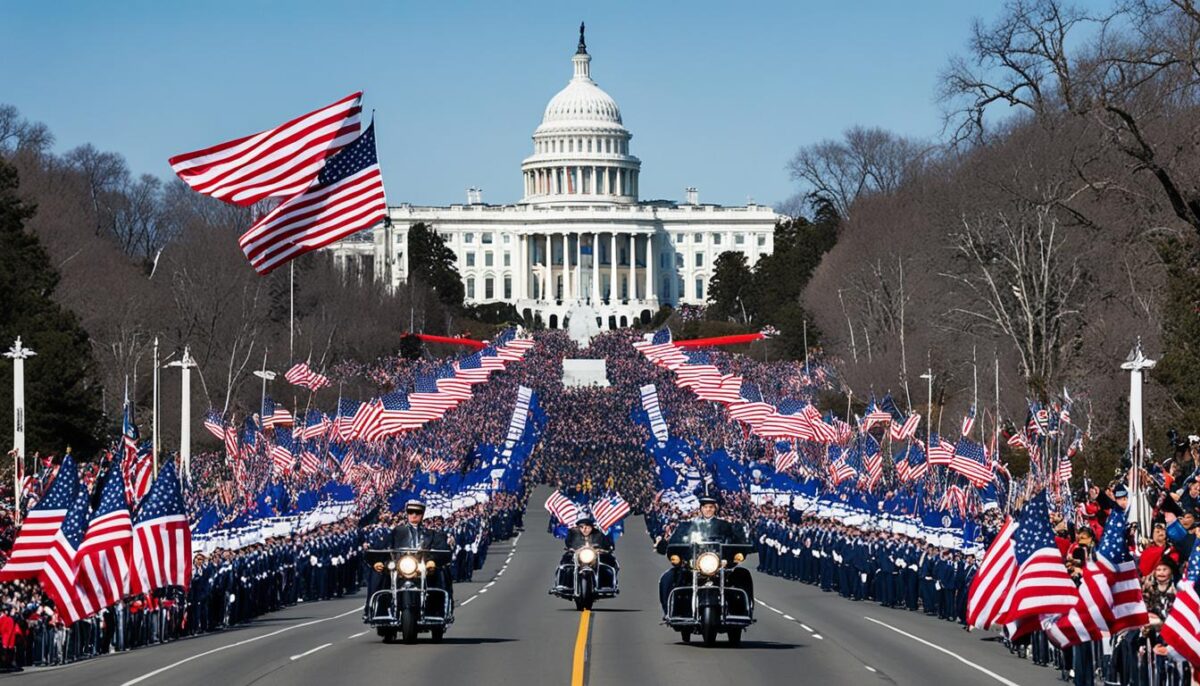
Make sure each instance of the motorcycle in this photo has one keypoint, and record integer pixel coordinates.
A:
(708, 605)
(408, 604)
(586, 571)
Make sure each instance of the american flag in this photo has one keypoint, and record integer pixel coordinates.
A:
(232, 449)
(563, 508)
(1042, 587)
(1181, 630)
(395, 416)
(282, 458)
(450, 385)
(872, 460)
(58, 576)
(788, 420)
(610, 510)
(346, 198)
(32, 547)
(274, 414)
(875, 415)
(343, 424)
(471, 370)
(138, 475)
(660, 350)
(901, 431)
(129, 438)
(824, 429)
(839, 471)
(276, 163)
(750, 408)
(1110, 595)
(968, 421)
(1017, 439)
(911, 465)
(987, 597)
(366, 419)
(309, 462)
(316, 425)
(302, 375)
(103, 558)
(939, 451)
(785, 456)
(727, 392)
(427, 398)
(162, 542)
(214, 425)
(970, 461)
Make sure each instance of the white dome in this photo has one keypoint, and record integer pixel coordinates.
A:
(582, 101)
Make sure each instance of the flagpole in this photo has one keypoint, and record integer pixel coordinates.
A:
(154, 414)
(291, 313)
(18, 354)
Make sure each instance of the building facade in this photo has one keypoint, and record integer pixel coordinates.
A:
(580, 234)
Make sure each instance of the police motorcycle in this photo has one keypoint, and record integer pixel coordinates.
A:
(706, 603)
(408, 604)
(587, 571)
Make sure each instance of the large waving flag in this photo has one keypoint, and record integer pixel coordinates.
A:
(32, 547)
(346, 198)
(1110, 596)
(58, 577)
(103, 558)
(562, 508)
(1042, 587)
(1181, 630)
(987, 597)
(276, 163)
(610, 510)
(162, 541)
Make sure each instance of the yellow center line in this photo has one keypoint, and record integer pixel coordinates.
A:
(581, 639)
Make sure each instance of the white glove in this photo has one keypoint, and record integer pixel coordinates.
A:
(863, 575)
(901, 564)
(312, 560)
(937, 585)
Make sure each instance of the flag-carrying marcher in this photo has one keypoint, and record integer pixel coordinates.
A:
(302, 375)
(58, 576)
(610, 510)
(162, 541)
(1042, 587)
(1181, 630)
(987, 596)
(563, 508)
(346, 198)
(42, 522)
(276, 163)
(1110, 595)
(102, 577)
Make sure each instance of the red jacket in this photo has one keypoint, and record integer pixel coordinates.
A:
(9, 631)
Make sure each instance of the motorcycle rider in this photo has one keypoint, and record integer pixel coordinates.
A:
(413, 534)
(707, 527)
(585, 534)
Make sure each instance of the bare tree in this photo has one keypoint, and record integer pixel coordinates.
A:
(19, 134)
(866, 160)
(1138, 77)
(1024, 282)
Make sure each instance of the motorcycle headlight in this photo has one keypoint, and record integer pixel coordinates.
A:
(408, 565)
(587, 556)
(708, 563)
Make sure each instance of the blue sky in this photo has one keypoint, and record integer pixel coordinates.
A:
(717, 95)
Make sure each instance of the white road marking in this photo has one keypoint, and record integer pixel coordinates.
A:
(490, 584)
(310, 652)
(819, 637)
(361, 633)
(468, 600)
(778, 612)
(206, 653)
(952, 654)
(807, 628)
(870, 668)
(789, 618)
(483, 590)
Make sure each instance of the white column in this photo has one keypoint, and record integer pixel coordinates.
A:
(650, 266)
(595, 269)
(17, 354)
(612, 270)
(632, 267)
(185, 424)
(518, 259)
(580, 293)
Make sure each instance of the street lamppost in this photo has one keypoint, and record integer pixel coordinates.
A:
(18, 354)
(1134, 364)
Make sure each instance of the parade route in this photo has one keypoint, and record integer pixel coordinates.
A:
(509, 631)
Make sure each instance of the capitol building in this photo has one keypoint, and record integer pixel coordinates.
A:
(580, 236)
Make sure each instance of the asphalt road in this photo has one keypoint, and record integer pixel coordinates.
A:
(510, 631)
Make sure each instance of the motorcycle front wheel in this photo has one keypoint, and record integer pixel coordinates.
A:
(710, 623)
(408, 626)
(586, 596)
